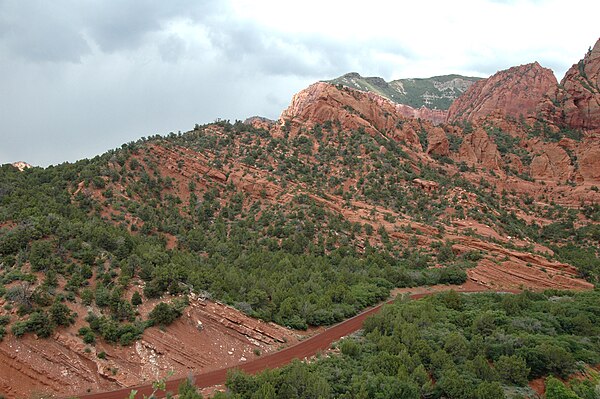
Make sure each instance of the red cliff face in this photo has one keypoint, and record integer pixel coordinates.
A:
(513, 92)
(352, 109)
(478, 149)
(322, 102)
(575, 103)
(438, 142)
(435, 116)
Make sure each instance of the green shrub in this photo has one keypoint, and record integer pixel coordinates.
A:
(512, 370)
(61, 315)
(136, 299)
(163, 314)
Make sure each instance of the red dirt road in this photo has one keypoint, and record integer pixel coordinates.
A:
(304, 349)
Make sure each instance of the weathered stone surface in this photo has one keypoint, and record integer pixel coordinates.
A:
(575, 103)
(552, 162)
(437, 142)
(478, 148)
(513, 92)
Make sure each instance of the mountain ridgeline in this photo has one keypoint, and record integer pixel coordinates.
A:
(309, 219)
(437, 92)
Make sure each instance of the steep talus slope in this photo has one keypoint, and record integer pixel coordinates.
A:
(514, 92)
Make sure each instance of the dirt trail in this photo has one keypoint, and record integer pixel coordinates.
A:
(304, 349)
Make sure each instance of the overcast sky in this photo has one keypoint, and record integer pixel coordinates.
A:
(79, 77)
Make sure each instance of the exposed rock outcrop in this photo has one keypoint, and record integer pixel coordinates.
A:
(575, 103)
(437, 142)
(552, 162)
(21, 165)
(435, 116)
(478, 148)
(513, 92)
(260, 122)
(322, 102)
(588, 157)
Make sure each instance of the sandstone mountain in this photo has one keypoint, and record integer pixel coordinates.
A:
(576, 101)
(515, 92)
(531, 91)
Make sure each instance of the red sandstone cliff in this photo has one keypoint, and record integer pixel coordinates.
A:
(435, 116)
(321, 102)
(575, 103)
(513, 92)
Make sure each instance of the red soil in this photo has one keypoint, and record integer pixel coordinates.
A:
(208, 335)
(304, 349)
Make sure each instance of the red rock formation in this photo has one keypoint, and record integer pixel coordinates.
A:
(513, 92)
(259, 122)
(552, 162)
(576, 102)
(437, 142)
(435, 116)
(322, 102)
(588, 156)
(478, 148)
(426, 185)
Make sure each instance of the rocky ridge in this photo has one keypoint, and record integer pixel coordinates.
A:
(575, 103)
(436, 93)
(515, 92)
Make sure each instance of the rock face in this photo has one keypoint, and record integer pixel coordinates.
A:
(551, 163)
(260, 122)
(576, 102)
(589, 162)
(21, 165)
(438, 142)
(513, 92)
(321, 102)
(478, 148)
(435, 116)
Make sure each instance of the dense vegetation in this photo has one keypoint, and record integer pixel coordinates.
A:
(119, 229)
(478, 346)
(68, 236)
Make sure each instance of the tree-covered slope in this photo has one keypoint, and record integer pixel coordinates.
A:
(458, 346)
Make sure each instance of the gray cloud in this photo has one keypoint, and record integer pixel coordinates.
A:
(123, 25)
(39, 32)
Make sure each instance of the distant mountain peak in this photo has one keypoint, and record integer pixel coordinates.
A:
(436, 92)
(513, 92)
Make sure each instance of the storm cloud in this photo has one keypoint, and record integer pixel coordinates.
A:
(79, 77)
